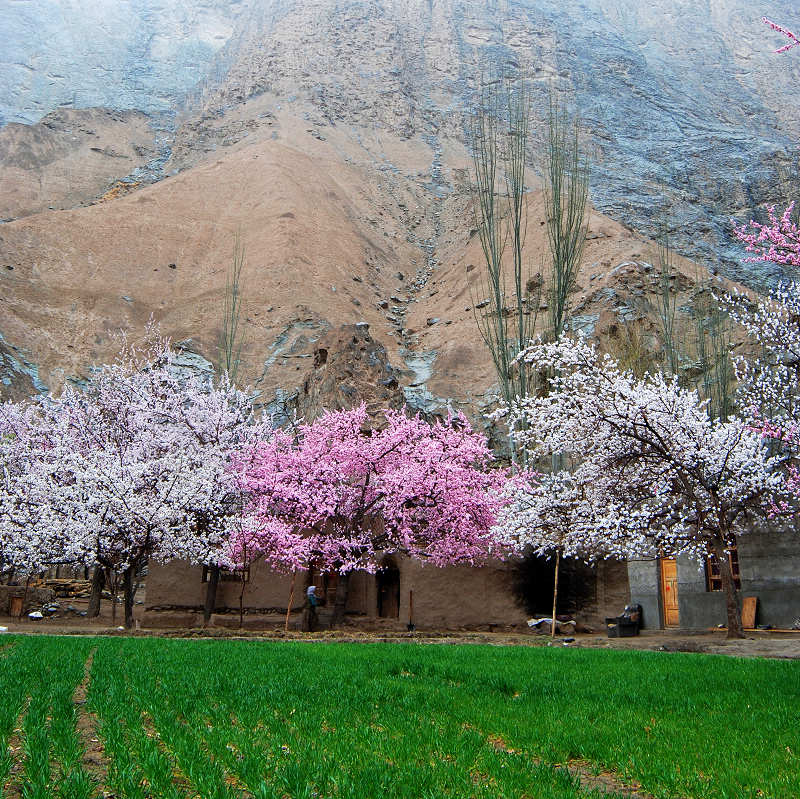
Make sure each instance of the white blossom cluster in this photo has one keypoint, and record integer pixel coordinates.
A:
(654, 474)
(768, 385)
(553, 513)
(135, 465)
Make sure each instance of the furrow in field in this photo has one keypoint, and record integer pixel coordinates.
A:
(591, 779)
(183, 785)
(220, 760)
(94, 759)
(12, 786)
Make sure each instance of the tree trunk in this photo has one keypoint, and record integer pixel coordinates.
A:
(555, 595)
(340, 603)
(128, 593)
(98, 583)
(211, 594)
(111, 579)
(25, 595)
(241, 600)
(306, 622)
(291, 600)
(734, 612)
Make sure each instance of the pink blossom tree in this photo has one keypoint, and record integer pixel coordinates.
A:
(346, 495)
(662, 478)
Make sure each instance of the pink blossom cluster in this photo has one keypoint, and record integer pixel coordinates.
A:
(778, 241)
(794, 41)
(340, 495)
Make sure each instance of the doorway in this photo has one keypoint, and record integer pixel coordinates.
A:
(388, 579)
(669, 591)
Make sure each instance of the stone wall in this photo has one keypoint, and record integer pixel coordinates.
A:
(769, 565)
(34, 599)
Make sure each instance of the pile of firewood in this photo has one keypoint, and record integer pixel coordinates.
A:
(70, 588)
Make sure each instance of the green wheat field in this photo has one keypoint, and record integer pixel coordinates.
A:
(124, 717)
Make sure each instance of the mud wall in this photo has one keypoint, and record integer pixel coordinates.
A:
(454, 597)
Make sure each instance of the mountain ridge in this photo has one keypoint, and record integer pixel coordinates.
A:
(332, 136)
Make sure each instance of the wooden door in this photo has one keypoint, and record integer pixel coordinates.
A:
(389, 593)
(669, 591)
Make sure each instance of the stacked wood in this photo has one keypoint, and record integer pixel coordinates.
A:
(69, 588)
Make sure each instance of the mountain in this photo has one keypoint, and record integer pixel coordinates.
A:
(329, 136)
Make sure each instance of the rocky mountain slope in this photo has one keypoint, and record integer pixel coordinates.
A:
(330, 137)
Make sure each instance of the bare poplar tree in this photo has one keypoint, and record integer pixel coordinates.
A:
(231, 340)
(499, 141)
(566, 190)
(700, 358)
(232, 335)
(506, 315)
(668, 302)
(713, 337)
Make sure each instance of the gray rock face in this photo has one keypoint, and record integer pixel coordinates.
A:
(686, 109)
(687, 112)
(144, 55)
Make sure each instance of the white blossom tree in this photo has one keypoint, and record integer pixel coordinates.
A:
(135, 465)
(769, 392)
(556, 515)
(36, 526)
(664, 478)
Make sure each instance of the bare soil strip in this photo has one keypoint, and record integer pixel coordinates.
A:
(94, 759)
(179, 779)
(16, 750)
(590, 778)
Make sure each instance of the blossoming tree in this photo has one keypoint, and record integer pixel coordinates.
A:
(341, 496)
(668, 479)
(36, 527)
(136, 465)
(556, 515)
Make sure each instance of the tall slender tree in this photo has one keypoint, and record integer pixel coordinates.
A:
(566, 191)
(499, 141)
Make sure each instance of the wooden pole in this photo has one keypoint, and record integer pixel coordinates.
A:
(291, 599)
(25, 596)
(410, 608)
(555, 596)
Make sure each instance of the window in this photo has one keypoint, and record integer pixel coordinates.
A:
(713, 576)
(227, 575)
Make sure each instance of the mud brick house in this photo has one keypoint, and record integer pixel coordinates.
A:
(495, 596)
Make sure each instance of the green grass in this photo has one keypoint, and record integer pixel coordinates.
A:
(226, 719)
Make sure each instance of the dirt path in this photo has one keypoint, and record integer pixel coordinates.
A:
(591, 778)
(94, 758)
(766, 644)
(16, 750)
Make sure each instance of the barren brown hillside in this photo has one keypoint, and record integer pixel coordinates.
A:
(327, 243)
